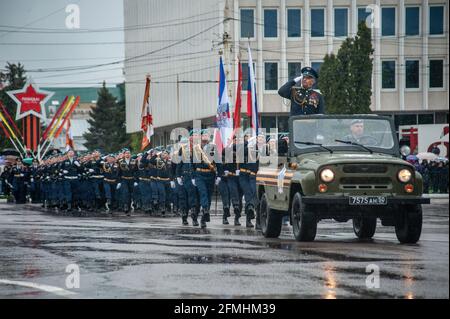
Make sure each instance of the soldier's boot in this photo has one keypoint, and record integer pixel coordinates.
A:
(248, 222)
(225, 220)
(107, 204)
(226, 212)
(184, 218)
(204, 218)
(194, 217)
(69, 207)
(237, 215)
(250, 214)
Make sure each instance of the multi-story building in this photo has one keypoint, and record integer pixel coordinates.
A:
(178, 43)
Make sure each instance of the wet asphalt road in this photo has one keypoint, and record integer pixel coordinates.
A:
(150, 257)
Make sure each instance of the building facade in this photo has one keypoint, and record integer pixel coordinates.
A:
(178, 43)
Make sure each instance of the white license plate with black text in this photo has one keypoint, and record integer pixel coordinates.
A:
(367, 200)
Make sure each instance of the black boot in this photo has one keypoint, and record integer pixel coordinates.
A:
(204, 218)
(226, 212)
(248, 222)
(184, 218)
(194, 218)
(225, 220)
(237, 215)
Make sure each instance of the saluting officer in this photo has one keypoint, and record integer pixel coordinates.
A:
(127, 178)
(19, 180)
(304, 99)
(70, 168)
(110, 171)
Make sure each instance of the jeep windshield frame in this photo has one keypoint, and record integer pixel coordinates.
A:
(295, 150)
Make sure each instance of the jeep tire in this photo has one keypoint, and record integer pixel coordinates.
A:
(408, 224)
(304, 223)
(364, 227)
(271, 221)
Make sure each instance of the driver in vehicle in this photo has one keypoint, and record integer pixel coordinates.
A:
(357, 134)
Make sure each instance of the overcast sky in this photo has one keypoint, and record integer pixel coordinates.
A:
(28, 22)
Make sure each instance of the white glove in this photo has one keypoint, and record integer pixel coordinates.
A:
(172, 184)
(118, 185)
(77, 163)
(237, 172)
(225, 173)
(65, 171)
(91, 170)
(218, 179)
(180, 181)
(135, 184)
(298, 79)
(193, 182)
(32, 180)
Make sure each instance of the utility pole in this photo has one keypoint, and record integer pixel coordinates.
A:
(226, 39)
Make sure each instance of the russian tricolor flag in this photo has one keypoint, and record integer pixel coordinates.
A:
(252, 103)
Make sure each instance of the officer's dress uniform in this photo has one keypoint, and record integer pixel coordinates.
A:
(110, 174)
(70, 169)
(303, 101)
(35, 183)
(146, 178)
(127, 177)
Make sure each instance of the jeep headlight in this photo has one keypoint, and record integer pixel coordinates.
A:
(327, 175)
(404, 175)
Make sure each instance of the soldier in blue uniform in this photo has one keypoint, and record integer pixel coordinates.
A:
(110, 172)
(70, 168)
(304, 99)
(95, 179)
(127, 180)
(147, 175)
(163, 178)
(35, 181)
(206, 173)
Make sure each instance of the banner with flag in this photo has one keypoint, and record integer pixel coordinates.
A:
(146, 117)
(252, 103)
(69, 136)
(223, 117)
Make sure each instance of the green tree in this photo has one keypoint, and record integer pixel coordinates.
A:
(13, 78)
(345, 79)
(107, 123)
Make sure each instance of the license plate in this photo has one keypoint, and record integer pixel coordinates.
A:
(367, 200)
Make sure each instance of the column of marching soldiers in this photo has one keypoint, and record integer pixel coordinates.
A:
(152, 182)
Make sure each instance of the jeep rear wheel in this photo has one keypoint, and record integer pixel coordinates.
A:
(364, 227)
(304, 223)
(270, 220)
(408, 224)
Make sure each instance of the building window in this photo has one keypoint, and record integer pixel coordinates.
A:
(283, 124)
(405, 119)
(363, 13)
(436, 73)
(268, 122)
(436, 20)
(316, 66)
(412, 74)
(387, 21)
(294, 70)
(294, 22)
(340, 22)
(245, 75)
(412, 21)
(270, 76)
(426, 118)
(317, 22)
(388, 74)
(441, 118)
(270, 23)
(247, 23)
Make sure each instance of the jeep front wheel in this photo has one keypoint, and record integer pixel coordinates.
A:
(364, 227)
(270, 220)
(304, 223)
(408, 224)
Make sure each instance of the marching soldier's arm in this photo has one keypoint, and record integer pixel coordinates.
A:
(285, 90)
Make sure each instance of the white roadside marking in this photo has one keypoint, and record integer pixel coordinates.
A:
(51, 289)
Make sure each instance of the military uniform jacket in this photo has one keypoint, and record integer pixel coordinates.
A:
(110, 172)
(19, 174)
(251, 161)
(202, 165)
(303, 101)
(70, 169)
(127, 171)
(185, 166)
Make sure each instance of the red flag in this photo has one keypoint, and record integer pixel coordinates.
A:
(146, 116)
(69, 138)
(237, 108)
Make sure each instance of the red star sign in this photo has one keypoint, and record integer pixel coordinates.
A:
(30, 101)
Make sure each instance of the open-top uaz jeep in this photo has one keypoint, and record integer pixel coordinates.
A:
(341, 167)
